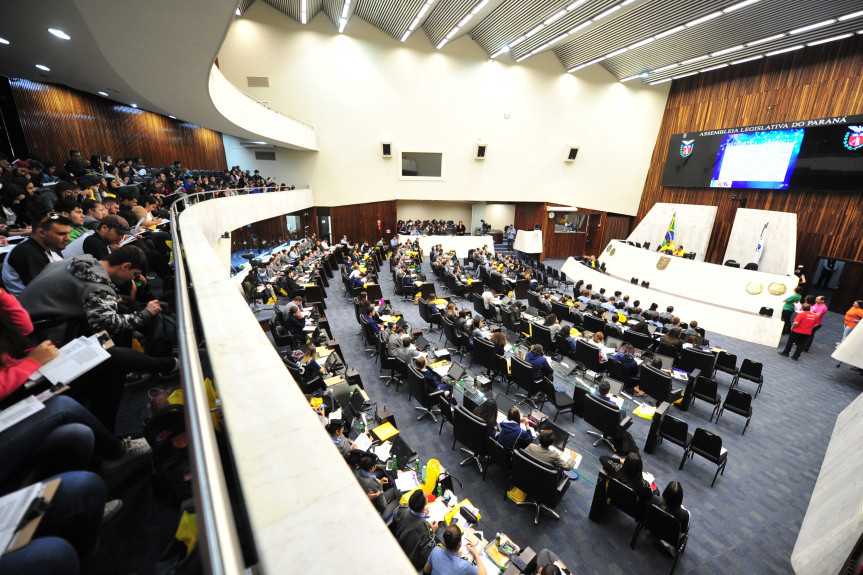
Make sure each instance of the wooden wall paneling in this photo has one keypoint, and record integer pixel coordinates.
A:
(817, 82)
(359, 221)
(616, 228)
(527, 214)
(273, 231)
(56, 119)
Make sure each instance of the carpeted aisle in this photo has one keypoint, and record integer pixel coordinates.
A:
(747, 523)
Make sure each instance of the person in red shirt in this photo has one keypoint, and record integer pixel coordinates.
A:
(819, 308)
(801, 329)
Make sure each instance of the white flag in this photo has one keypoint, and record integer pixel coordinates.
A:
(760, 246)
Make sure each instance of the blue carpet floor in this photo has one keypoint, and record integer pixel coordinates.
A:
(747, 523)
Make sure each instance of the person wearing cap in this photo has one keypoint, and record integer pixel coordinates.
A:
(108, 236)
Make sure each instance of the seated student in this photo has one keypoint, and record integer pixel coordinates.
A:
(553, 325)
(478, 324)
(373, 486)
(584, 298)
(544, 453)
(68, 532)
(461, 327)
(602, 390)
(545, 303)
(294, 321)
(358, 281)
(309, 366)
(622, 314)
(432, 380)
(667, 315)
(412, 530)
(691, 331)
(289, 281)
(432, 303)
(27, 259)
(447, 561)
(511, 435)
(70, 209)
(396, 340)
(336, 428)
(671, 501)
(499, 341)
(369, 317)
(545, 563)
(626, 356)
(674, 323)
(672, 338)
(536, 358)
(628, 471)
(487, 411)
(571, 340)
(610, 305)
(491, 308)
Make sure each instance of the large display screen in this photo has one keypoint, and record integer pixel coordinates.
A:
(825, 154)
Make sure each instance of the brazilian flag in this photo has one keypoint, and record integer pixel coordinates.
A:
(669, 235)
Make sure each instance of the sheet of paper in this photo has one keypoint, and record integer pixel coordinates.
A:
(363, 442)
(19, 412)
(407, 481)
(73, 359)
(382, 451)
(12, 510)
(437, 510)
(337, 414)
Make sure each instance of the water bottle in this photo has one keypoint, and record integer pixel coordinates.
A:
(497, 539)
(417, 466)
(424, 474)
(439, 490)
(395, 462)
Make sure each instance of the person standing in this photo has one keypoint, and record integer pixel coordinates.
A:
(788, 308)
(819, 308)
(801, 329)
(852, 318)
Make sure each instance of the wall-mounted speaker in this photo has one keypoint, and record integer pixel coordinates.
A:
(479, 151)
(387, 149)
(571, 153)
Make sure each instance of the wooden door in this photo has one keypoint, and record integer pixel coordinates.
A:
(849, 287)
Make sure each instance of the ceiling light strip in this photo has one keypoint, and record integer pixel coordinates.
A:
(343, 19)
(304, 12)
(461, 24)
(832, 39)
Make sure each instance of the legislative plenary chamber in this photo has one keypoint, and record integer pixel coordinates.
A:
(431, 286)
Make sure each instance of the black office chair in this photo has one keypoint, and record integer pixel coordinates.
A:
(457, 290)
(500, 456)
(533, 299)
(669, 350)
(739, 402)
(676, 431)
(388, 362)
(750, 371)
(542, 336)
(709, 446)
(566, 283)
(625, 499)
(692, 359)
(371, 339)
(472, 432)
(541, 482)
(431, 319)
(732, 264)
(705, 389)
(593, 324)
(727, 363)
(558, 399)
(751, 266)
(483, 354)
(509, 323)
(655, 383)
(452, 337)
(428, 401)
(522, 377)
(446, 410)
(604, 416)
(664, 527)
(638, 340)
(587, 354)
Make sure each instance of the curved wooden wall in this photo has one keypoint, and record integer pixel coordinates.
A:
(56, 119)
(817, 82)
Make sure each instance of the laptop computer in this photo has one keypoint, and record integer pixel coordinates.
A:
(568, 365)
(421, 343)
(561, 436)
(531, 311)
(512, 336)
(613, 342)
(401, 322)
(615, 387)
(456, 372)
(505, 300)
(357, 401)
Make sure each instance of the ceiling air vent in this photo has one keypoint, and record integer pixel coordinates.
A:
(265, 156)
(258, 81)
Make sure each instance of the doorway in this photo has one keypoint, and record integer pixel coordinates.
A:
(838, 280)
(324, 228)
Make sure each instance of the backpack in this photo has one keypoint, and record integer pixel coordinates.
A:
(171, 469)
